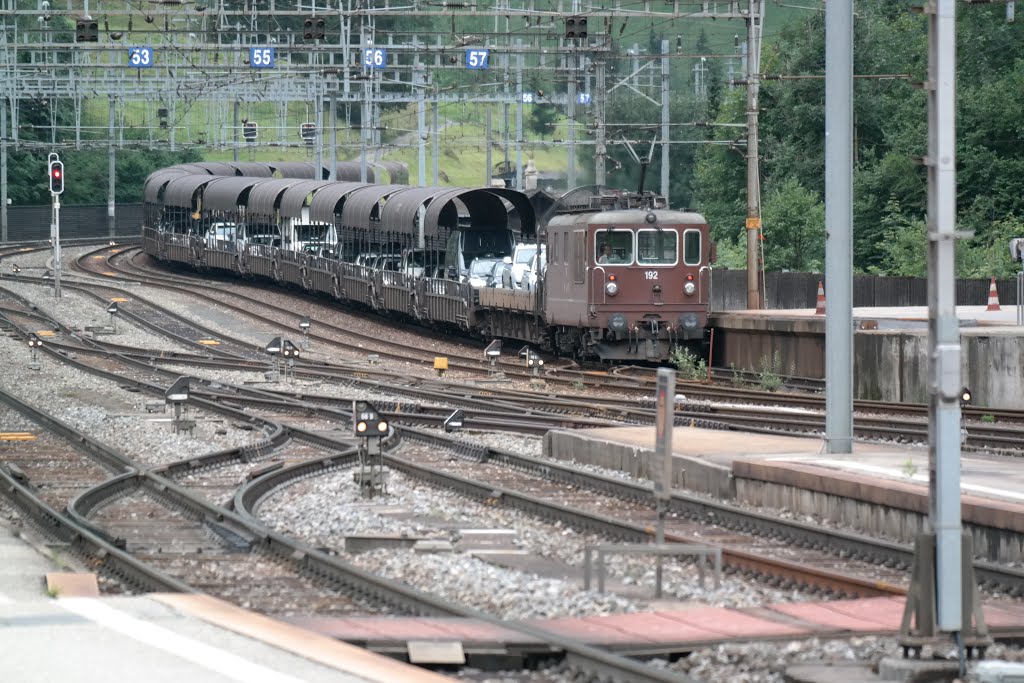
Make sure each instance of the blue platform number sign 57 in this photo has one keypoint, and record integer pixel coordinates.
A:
(477, 59)
(261, 57)
(583, 98)
(375, 58)
(140, 57)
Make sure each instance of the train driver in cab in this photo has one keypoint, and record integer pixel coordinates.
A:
(606, 254)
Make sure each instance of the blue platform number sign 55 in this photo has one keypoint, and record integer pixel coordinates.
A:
(476, 59)
(375, 58)
(140, 57)
(261, 57)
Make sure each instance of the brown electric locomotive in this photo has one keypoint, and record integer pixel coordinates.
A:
(630, 282)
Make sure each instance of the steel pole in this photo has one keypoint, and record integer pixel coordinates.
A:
(333, 116)
(665, 118)
(111, 174)
(943, 324)
(753, 173)
(56, 246)
(839, 226)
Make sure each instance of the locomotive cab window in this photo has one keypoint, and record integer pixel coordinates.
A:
(614, 246)
(691, 248)
(657, 247)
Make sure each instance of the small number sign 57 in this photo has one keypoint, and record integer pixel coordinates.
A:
(140, 57)
(477, 59)
(261, 57)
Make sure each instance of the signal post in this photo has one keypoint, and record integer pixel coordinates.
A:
(55, 173)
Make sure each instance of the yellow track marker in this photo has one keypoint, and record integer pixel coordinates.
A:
(17, 436)
(209, 342)
(119, 299)
(44, 333)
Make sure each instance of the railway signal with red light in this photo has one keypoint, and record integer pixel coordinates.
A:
(56, 177)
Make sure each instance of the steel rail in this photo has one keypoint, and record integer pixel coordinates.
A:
(320, 566)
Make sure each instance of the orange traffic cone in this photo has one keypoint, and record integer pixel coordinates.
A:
(993, 297)
(820, 309)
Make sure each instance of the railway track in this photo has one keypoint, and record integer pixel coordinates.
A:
(534, 486)
(184, 534)
(730, 407)
(109, 261)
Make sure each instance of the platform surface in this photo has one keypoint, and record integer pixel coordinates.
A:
(984, 476)
(669, 630)
(162, 638)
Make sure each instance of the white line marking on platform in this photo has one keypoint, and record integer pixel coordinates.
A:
(225, 663)
(4, 600)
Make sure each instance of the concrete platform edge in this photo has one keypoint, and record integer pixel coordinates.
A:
(298, 641)
(687, 472)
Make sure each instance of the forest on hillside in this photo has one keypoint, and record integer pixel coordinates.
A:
(890, 140)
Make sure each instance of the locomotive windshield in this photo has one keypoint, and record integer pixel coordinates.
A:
(614, 247)
(656, 247)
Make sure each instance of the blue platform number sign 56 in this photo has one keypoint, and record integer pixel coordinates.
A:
(140, 57)
(476, 59)
(375, 58)
(261, 57)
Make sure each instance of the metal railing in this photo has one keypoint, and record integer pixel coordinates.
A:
(701, 553)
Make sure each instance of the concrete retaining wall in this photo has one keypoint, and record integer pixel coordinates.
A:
(891, 510)
(888, 365)
(687, 473)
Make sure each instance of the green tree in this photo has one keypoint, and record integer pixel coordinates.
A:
(904, 247)
(542, 119)
(794, 228)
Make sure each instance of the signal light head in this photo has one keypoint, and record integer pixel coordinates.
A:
(56, 176)
(368, 421)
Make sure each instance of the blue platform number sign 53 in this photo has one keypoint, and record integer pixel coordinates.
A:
(375, 58)
(261, 57)
(140, 57)
(476, 59)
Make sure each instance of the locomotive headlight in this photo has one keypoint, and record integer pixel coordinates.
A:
(689, 288)
(617, 322)
(611, 289)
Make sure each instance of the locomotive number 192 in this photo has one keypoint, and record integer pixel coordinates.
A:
(650, 275)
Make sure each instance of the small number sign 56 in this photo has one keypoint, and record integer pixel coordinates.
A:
(375, 58)
(261, 57)
(140, 57)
